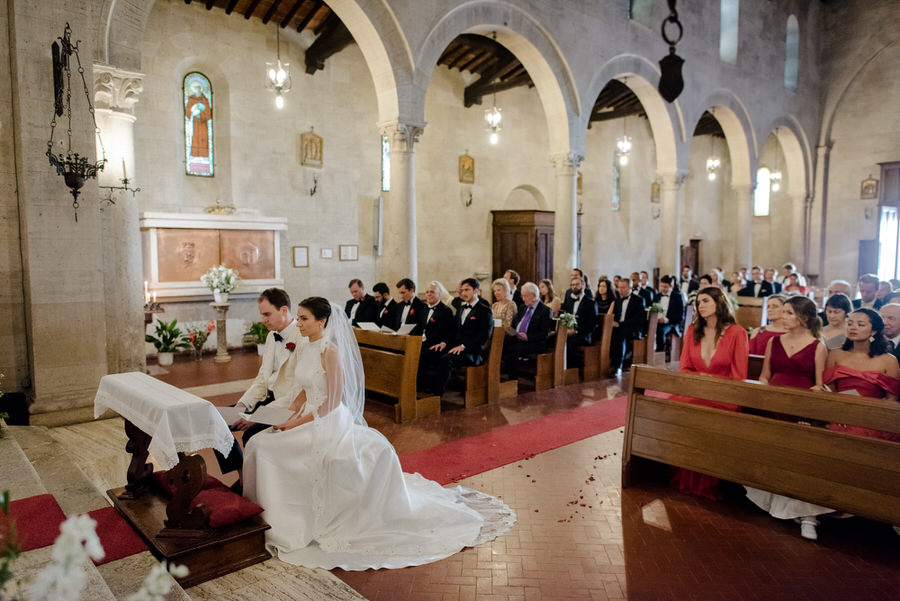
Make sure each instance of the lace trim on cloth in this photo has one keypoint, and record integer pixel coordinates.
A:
(498, 519)
(317, 393)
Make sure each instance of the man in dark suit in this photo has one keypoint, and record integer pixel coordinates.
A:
(474, 324)
(890, 313)
(534, 327)
(411, 309)
(586, 289)
(386, 314)
(669, 324)
(757, 286)
(439, 328)
(362, 307)
(689, 282)
(868, 292)
(581, 305)
(646, 291)
(628, 325)
(770, 275)
(513, 278)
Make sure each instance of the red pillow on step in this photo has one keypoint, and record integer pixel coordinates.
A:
(163, 482)
(225, 507)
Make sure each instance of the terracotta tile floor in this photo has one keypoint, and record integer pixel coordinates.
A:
(580, 538)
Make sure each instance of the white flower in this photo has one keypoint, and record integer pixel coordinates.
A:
(158, 583)
(64, 577)
(220, 278)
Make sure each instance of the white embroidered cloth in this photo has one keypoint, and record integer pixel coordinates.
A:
(178, 421)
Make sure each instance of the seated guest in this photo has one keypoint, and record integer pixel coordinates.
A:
(534, 327)
(669, 323)
(836, 287)
(411, 308)
(771, 275)
(715, 277)
(757, 286)
(790, 268)
(794, 286)
(604, 297)
(628, 325)
(837, 308)
(362, 307)
(689, 282)
(864, 364)
(734, 284)
(474, 324)
(759, 337)
(890, 314)
(439, 328)
(513, 278)
(548, 296)
(796, 359)
(645, 289)
(386, 314)
(587, 285)
(503, 308)
(457, 301)
(715, 345)
(868, 291)
(884, 289)
(579, 304)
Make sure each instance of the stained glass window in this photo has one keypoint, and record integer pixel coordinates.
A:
(385, 164)
(762, 193)
(791, 53)
(198, 125)
(728, 31)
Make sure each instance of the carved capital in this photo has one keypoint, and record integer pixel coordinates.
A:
(116, 89)
(566, 163)
(403, 136)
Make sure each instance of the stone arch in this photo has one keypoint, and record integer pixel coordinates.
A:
(528, 193)
(120, 30)
(797, 153)
(528, 40)
(743, 148)
(666, 119)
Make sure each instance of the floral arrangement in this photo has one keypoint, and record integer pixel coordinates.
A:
(656, 308)
(169, 338)
(220, 278)
(198, 335)
(257, 333)
(569, 320)
(64, 577)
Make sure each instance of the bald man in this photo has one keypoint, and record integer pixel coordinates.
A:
(891, 316)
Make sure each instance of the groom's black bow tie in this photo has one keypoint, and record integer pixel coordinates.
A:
(466, 306)
(405, 304)
(278, 337)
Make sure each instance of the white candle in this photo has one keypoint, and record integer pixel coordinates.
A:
(154, 297)
(124, 173)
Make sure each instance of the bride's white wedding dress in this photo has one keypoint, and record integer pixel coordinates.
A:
(335, 496)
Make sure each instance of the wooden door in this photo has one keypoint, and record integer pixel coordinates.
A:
(543, 243)
(690, 256)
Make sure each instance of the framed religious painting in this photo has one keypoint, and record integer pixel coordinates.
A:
(868, 188)
(466, 169)
(301, 256)
(348, 252)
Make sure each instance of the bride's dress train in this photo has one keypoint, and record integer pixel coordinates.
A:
(335, 495)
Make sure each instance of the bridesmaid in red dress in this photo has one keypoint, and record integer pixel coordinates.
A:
(714, 345)
(760, 337)
(864, 365)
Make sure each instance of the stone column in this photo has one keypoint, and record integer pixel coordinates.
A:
(668, 253)
(566, 253)
(798, 229)
(399, 257)
(115, 94)
(743, 236)
(817, 214)
(221, 310)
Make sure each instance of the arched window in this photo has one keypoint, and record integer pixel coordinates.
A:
(791, 53)
(728, 31)
(762, 193)
(198, 125)
(385, 164)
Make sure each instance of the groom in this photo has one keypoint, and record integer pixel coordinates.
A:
(275, 380)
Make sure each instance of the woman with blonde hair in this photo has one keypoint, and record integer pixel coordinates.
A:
(503, 308)
(759, 337)
(548, 296)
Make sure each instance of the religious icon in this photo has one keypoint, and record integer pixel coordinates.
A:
(868, 188)
(198, 125)
(654, 192)
(311, 149)
(579, 185)
(466, 169)
(188, 252)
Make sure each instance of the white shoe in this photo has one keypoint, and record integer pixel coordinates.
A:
(808, 528)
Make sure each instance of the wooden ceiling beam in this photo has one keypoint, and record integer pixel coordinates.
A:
(475, 58)
(451, 55)
(309, 16)
(287, 18)
(333, 37)
(230, 7)
(475, 95)
(271, 11)
(210, 4)
(249, 12)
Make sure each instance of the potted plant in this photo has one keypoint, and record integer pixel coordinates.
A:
(198, 335)
(221, 280)
(257, 335)
(168, 339)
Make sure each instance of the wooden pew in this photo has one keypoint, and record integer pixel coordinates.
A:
(644, 350)
(754, 366)
(483, 381)
(851, 473)
(551, 366)
(751, 311)
(390, 363)
(595, 357)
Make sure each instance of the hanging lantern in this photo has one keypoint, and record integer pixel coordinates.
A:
(278, 74)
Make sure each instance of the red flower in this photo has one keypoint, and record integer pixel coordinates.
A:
(472, 318)
(290, 346)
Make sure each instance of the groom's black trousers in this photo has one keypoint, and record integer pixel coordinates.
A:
(235, 459)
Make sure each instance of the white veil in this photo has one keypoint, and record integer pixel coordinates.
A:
(353, 381)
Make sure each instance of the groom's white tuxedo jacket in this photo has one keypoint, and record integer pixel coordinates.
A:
(280, 362)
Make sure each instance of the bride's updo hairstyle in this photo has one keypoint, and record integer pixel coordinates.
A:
(318, 306)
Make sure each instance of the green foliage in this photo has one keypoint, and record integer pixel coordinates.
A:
(570, 320)
(656, 308)
(257, 333)
(169, 338)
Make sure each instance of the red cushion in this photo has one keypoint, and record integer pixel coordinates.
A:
(226, 507)
(163, 482)
(118, 538)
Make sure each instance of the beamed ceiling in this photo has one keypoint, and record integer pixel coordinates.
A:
(497, 67)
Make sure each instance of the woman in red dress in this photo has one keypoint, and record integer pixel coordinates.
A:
(760, 337)
(864, 365)
(714, 345)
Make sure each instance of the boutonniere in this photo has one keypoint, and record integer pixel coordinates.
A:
(290, 346)
(431, 320)
(472, 318)
(412, 311)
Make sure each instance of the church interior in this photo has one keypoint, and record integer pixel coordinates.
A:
(312, 143)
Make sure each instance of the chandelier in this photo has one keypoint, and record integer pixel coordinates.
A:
(74, 167)
(775, 175)
(712, 163)
(278, 74)
(623, 146)
(493, 117)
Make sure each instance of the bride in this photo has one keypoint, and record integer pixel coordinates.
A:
(332, 488)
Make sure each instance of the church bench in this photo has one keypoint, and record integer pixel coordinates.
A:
(857, 474)
(751, 311)
(482, 382)
(644, 350)
(595, 364)
(754, 366)
(551, 366)
(390, 363)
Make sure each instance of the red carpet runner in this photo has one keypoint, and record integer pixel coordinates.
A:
(466, 457)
